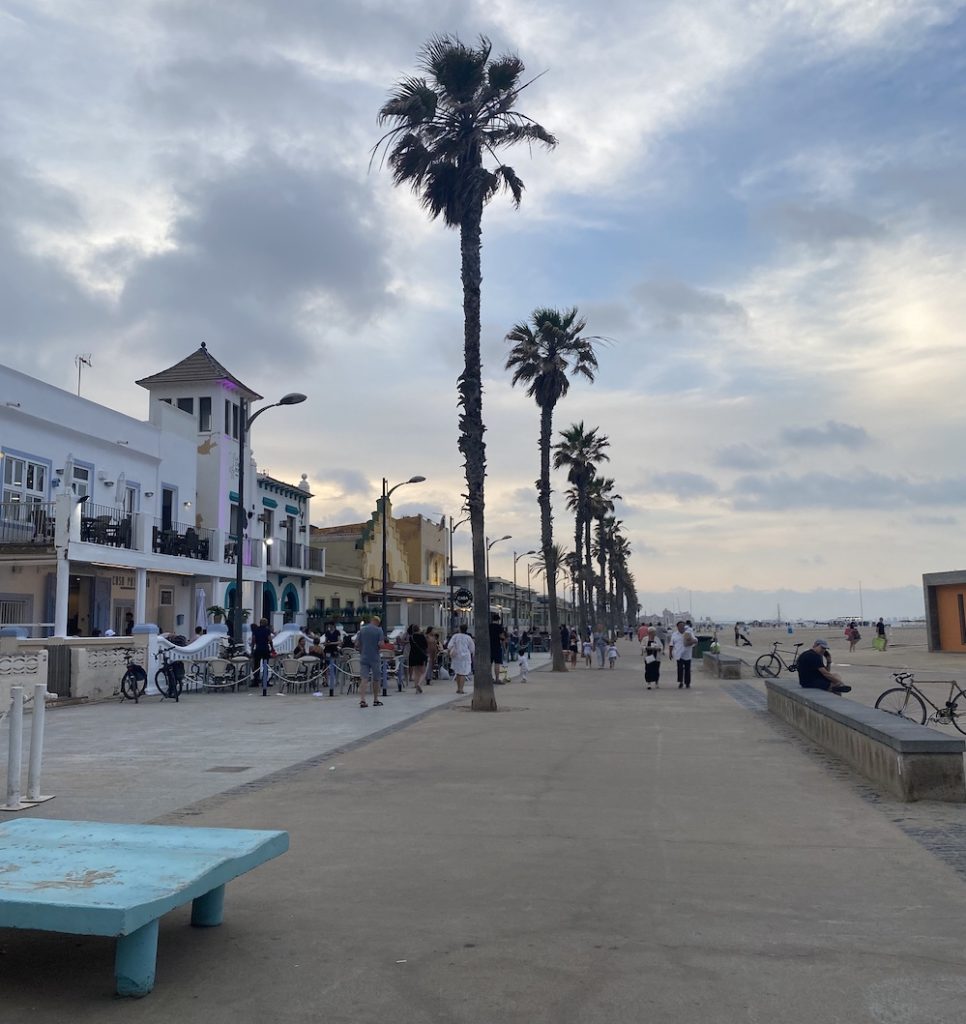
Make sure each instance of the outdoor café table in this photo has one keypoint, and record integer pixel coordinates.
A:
(96, 878)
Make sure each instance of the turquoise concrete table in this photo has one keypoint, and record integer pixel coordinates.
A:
(92, 878)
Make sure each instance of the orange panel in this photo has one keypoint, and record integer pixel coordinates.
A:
(948, 600)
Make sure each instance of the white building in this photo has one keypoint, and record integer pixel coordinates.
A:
(104, 517)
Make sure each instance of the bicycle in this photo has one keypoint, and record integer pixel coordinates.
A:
(907, 701)
(135, 680)
(770, 665)
(169, 679)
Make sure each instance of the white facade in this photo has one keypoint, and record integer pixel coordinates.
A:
(103, 515)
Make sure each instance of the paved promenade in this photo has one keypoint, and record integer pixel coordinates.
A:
(592, 853)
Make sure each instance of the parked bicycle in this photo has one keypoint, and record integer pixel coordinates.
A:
(169, 679)
(135, 680)
(908, 701)
(770, 665)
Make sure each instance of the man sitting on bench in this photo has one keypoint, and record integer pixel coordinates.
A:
(813, 672)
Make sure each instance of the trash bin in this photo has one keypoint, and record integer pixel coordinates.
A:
(702, 647)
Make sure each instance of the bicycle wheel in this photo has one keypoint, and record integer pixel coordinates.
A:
(161, 682)
(904, 703)
(133, 683)
(958, 718)
(768, 666)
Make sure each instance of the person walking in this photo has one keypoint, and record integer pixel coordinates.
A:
(368, 641)
(461, 649)
(497, 637)
(600, 643)
(432, 654)
(653, 649)
(683, 642)
(853, 635)
(612, 655)
(880, 635)
(262, 652)
(418, 657)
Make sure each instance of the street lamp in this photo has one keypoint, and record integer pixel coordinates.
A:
(452, 608)
(386, 494)
(244, 426)
(516, 558)
(530, 595)
(489, 544)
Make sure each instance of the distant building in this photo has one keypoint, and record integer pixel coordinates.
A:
(945, 598)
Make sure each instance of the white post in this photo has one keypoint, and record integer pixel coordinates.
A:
(14, 750)
(140, 595)
(37, 746)
(62, 593)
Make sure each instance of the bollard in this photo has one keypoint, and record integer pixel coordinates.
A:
(37, 746)
(14, 751)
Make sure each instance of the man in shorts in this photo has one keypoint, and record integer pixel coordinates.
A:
(368, 641)
(813, 671)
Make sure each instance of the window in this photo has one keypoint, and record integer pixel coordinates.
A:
(81, 481)
(130, 499)
(335, 604)
(234, 421)
(167, 400)
(187, 405)
(204, 414)
(166, 597)
(24, 480)
(228, 417)
(13, 612)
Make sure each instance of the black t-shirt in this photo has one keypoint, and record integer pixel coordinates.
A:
(261, 639)
(809, 676)
(332, 641)
(496, 635)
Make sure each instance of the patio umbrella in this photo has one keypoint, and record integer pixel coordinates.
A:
(201, 613)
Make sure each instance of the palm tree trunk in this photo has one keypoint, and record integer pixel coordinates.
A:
(602, 562)
(546, 537)
(589, 568)
(579, 566)
(473, 449)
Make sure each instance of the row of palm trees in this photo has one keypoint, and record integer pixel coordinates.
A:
(447, 127)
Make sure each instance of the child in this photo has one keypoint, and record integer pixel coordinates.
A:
(588, 652)
(524, 662)
(612, 655)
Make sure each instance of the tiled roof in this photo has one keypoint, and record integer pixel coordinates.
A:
(201, 365)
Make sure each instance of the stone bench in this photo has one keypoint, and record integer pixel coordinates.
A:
(723, 666)
(92, 878)
(901, 758)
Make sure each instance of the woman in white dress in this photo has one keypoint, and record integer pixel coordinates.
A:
(461, 650)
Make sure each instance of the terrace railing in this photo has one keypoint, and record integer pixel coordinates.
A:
(27, 524)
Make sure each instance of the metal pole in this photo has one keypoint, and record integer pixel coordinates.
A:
(516, 620)
(37, 745)
(452, 609)
(385, 561)
(239, 616)
(15, 750)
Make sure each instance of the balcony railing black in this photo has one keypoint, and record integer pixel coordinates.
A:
(315, 559)
(27, 524)
(106, 524)
(183, 541)
(251, 551)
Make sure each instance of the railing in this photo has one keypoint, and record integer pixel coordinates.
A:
(315, 559)
(289, 555)
(27, 524)
(251, 551)
(183, 541)
(106, 524)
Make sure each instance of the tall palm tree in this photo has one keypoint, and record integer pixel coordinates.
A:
(580, 451)
(546, 351)
(601, 499)
(443, 126)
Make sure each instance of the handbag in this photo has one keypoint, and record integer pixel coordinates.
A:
(650, 659)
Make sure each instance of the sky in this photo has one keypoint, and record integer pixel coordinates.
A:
(761, 206)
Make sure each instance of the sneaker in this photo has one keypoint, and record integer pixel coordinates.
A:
(648, 685)
(840, 689)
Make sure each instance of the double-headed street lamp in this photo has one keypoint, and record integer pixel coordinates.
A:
(244, 426)
(452, 609)
(516, 558)
(489, 544)
(385, 561)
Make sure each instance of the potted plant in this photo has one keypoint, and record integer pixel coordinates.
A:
(217, 612)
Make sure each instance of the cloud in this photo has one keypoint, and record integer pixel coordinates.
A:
(861, 490)
(832, 433)
(741, 456)
(819, 224)
(263, 255)
(682, 485)
(351, 481)
(674, 306)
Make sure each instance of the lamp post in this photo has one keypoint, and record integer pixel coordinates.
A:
(386, 494)
(516, 558)
(452, 609)
(244, 426)
(490, 544)
(529, 597)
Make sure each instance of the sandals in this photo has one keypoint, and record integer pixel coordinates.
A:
(363, 704)
(377, 703)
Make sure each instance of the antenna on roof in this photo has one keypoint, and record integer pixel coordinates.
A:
(81, 361)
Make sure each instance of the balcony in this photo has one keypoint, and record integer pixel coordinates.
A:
(104, 524)
(27, 525)
(251, 551)
(182, 541)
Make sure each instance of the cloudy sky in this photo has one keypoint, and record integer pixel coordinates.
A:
(762, 205)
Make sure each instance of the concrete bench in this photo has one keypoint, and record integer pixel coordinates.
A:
(901, 758)
(91, 878)
(724, 666)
